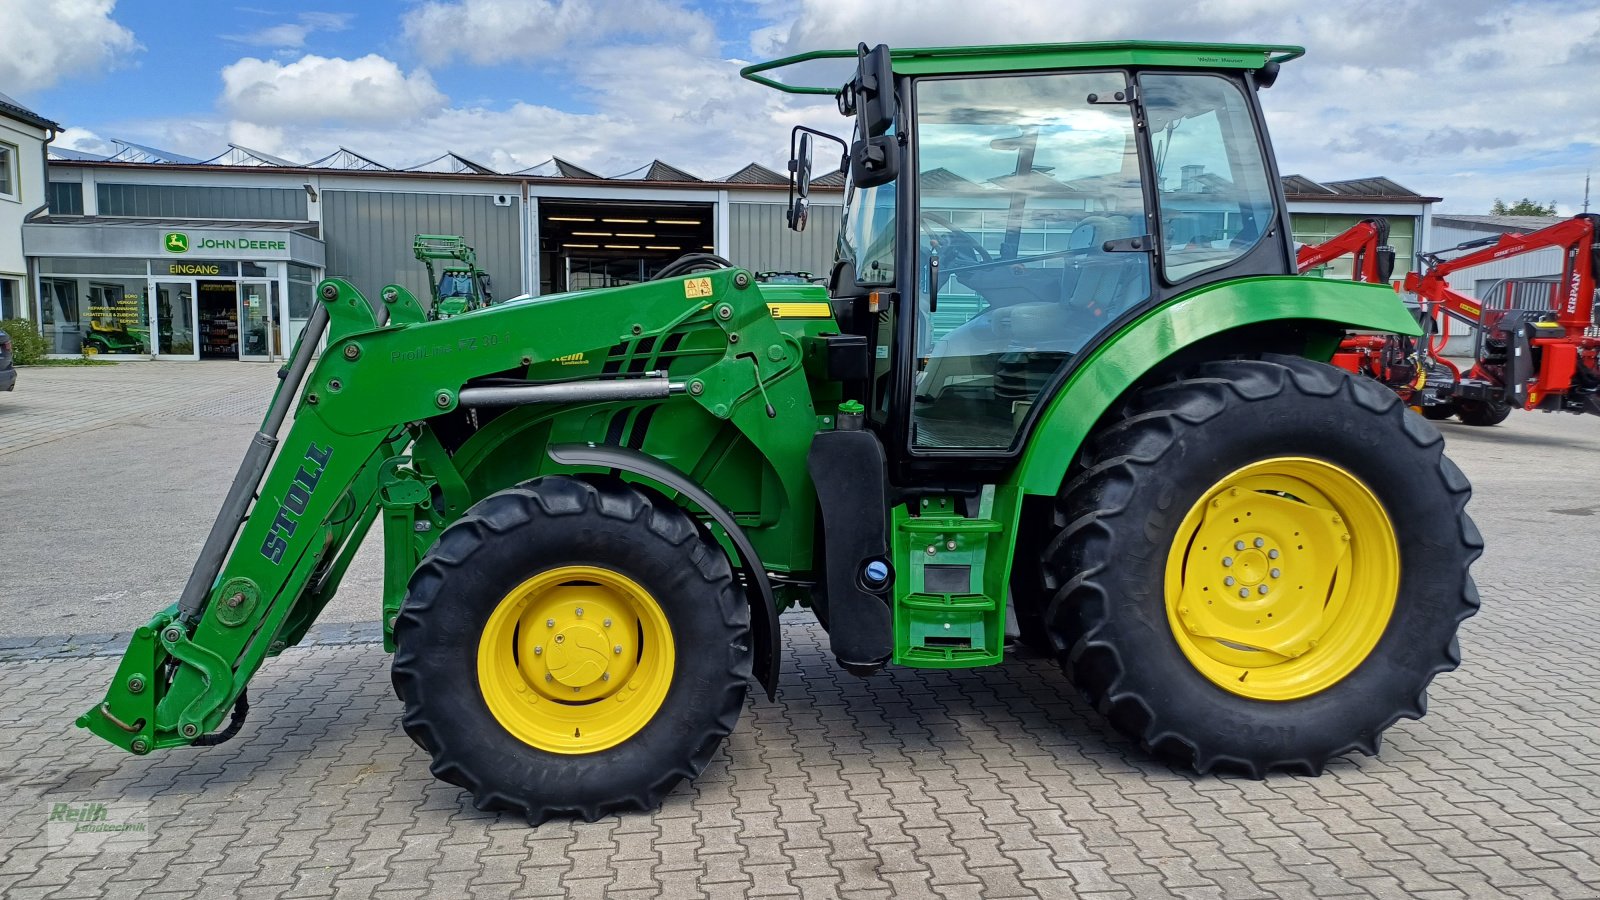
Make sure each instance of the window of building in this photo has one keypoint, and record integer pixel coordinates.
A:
(8, 171)
(9, 292)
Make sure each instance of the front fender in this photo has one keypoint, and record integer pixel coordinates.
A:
(1119, 362)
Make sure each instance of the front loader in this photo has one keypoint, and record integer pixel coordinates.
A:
(1063, 375)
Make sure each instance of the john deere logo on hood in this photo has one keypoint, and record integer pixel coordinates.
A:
(176, 242)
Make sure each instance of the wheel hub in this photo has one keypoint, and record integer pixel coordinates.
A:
(577, 643)
(576, 659)
(1267, 581)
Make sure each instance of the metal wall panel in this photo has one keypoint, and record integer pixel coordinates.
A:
(759, 238)
(369, 235)
(180, 201)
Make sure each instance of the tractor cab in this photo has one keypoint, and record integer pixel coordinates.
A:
(999, 225)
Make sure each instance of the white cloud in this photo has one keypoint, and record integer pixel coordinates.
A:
(495, 31)
(292, 35)
(1479, 101)
(319, 89)
(1468, 100)
(45, 42)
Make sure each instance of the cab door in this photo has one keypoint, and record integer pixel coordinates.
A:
(1030, 238)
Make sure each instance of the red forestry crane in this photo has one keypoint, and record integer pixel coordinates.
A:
(1531, 359)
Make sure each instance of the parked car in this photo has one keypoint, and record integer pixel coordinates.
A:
(8, 372)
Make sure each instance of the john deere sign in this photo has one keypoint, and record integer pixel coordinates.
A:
(244, 244)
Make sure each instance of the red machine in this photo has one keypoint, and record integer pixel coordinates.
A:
(1367, 241)
(1528, 358)
(1405, 365)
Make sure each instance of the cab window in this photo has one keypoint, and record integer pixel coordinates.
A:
(867, 238)
(1215, 198)
(1023, 182)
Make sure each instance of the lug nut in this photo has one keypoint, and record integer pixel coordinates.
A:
(549, 677)
(1238, 545)
(1272, 554)
(1277, 573)
(1228, 582)
(1227, 561)
(538, 651)
(1260, 543)
(605, 676)
(549, 623)
(1244, 592)
(1262, 589)
(579, 612)
(606, 623)
(617, 649)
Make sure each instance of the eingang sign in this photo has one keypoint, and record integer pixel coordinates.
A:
(233, 244)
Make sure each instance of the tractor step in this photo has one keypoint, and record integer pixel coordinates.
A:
(949, 598)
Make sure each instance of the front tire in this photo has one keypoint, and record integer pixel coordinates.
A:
(1482, 413)
(570, 648)
(1283, 475)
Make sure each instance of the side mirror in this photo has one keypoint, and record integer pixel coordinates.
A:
(799, 214)
(874, 89)
(875, 161)
(800, 182)
(483, 284)
(800, 169)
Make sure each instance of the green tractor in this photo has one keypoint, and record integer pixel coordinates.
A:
(461, 287)
(1062, 392)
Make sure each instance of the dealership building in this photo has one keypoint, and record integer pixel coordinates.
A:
(148, 254)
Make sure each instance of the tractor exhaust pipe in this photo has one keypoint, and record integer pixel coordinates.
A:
(251, 469)
(652, 386)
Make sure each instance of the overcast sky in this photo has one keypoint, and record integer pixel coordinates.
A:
(1470, 100)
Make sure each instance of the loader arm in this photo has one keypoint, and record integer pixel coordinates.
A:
(363, 443)
(1367, 241)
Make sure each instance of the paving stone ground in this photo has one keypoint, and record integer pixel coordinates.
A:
(986, 783)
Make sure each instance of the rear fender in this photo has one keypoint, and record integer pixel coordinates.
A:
(1186, 324)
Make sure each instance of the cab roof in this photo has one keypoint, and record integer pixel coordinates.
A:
(1022, 57)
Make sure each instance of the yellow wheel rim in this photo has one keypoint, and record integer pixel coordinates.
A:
(1282, 578)
(576, 660)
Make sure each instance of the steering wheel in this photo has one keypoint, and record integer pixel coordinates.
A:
(962, 250)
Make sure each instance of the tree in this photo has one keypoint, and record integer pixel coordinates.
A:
(1523, 207)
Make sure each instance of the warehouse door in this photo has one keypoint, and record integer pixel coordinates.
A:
(587, 244)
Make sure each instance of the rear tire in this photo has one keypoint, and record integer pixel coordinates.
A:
(491, 690)
(1162, 670)
(1482, 413)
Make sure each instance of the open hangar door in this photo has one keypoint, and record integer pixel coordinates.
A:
(595, 243)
